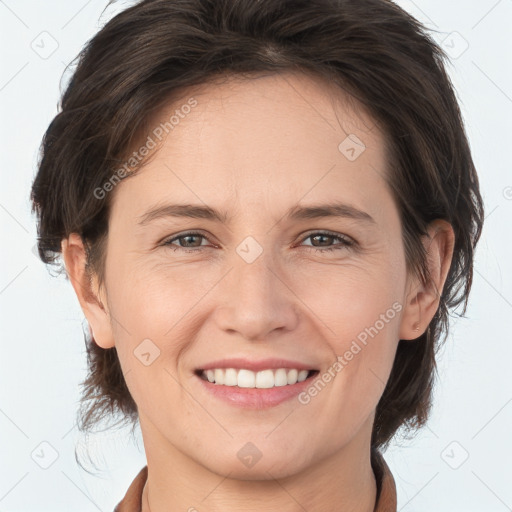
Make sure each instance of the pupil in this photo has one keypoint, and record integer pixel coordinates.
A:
(320, 236)
(188, 237)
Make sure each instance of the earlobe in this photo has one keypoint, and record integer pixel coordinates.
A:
(87, 290)
(411, 318)
(422, 300)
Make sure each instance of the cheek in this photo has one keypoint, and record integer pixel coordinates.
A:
(358, 310)
(152, 297)
(364, 349)
(154, 311)
(344, 300)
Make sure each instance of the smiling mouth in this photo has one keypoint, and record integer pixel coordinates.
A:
(264, 379)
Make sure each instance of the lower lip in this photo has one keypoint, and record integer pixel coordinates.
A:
(256, 398)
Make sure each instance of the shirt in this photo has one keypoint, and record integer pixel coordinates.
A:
(385, 502)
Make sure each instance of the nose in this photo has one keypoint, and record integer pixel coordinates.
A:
(257, 299)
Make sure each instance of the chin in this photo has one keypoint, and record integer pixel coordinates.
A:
(258, 462)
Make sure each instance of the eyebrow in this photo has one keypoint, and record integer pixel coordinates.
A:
(298, 212)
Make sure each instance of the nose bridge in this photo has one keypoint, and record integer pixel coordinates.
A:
(254, 271)
(256, 300)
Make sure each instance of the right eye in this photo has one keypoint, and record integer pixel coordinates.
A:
(185, 236)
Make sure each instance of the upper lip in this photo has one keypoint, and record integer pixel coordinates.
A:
(255, 366)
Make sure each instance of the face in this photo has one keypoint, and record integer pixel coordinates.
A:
(278, 276)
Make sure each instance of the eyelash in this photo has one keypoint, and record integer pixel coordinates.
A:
(346, 242)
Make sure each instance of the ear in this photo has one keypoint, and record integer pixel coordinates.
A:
(87, 290)
(422, 300)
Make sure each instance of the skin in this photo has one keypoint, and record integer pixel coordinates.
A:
(255, 148)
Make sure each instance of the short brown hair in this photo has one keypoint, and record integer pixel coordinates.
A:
(373, 49)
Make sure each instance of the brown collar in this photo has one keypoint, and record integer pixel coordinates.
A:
(386, 489)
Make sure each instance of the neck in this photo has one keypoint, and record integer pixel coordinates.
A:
(342, 481)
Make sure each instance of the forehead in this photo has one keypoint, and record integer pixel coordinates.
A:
(284, 103)
(264, 141)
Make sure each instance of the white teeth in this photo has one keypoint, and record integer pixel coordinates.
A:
(302, 375)
(230, 378)
(219, 376)
(280, 377)
(248, 379)
(292, 376)
(265, 379)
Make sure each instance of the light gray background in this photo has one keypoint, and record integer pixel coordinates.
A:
(42, 351)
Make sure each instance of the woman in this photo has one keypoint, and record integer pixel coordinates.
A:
(266, 210)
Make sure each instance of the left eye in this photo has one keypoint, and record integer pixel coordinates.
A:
(345, 241)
